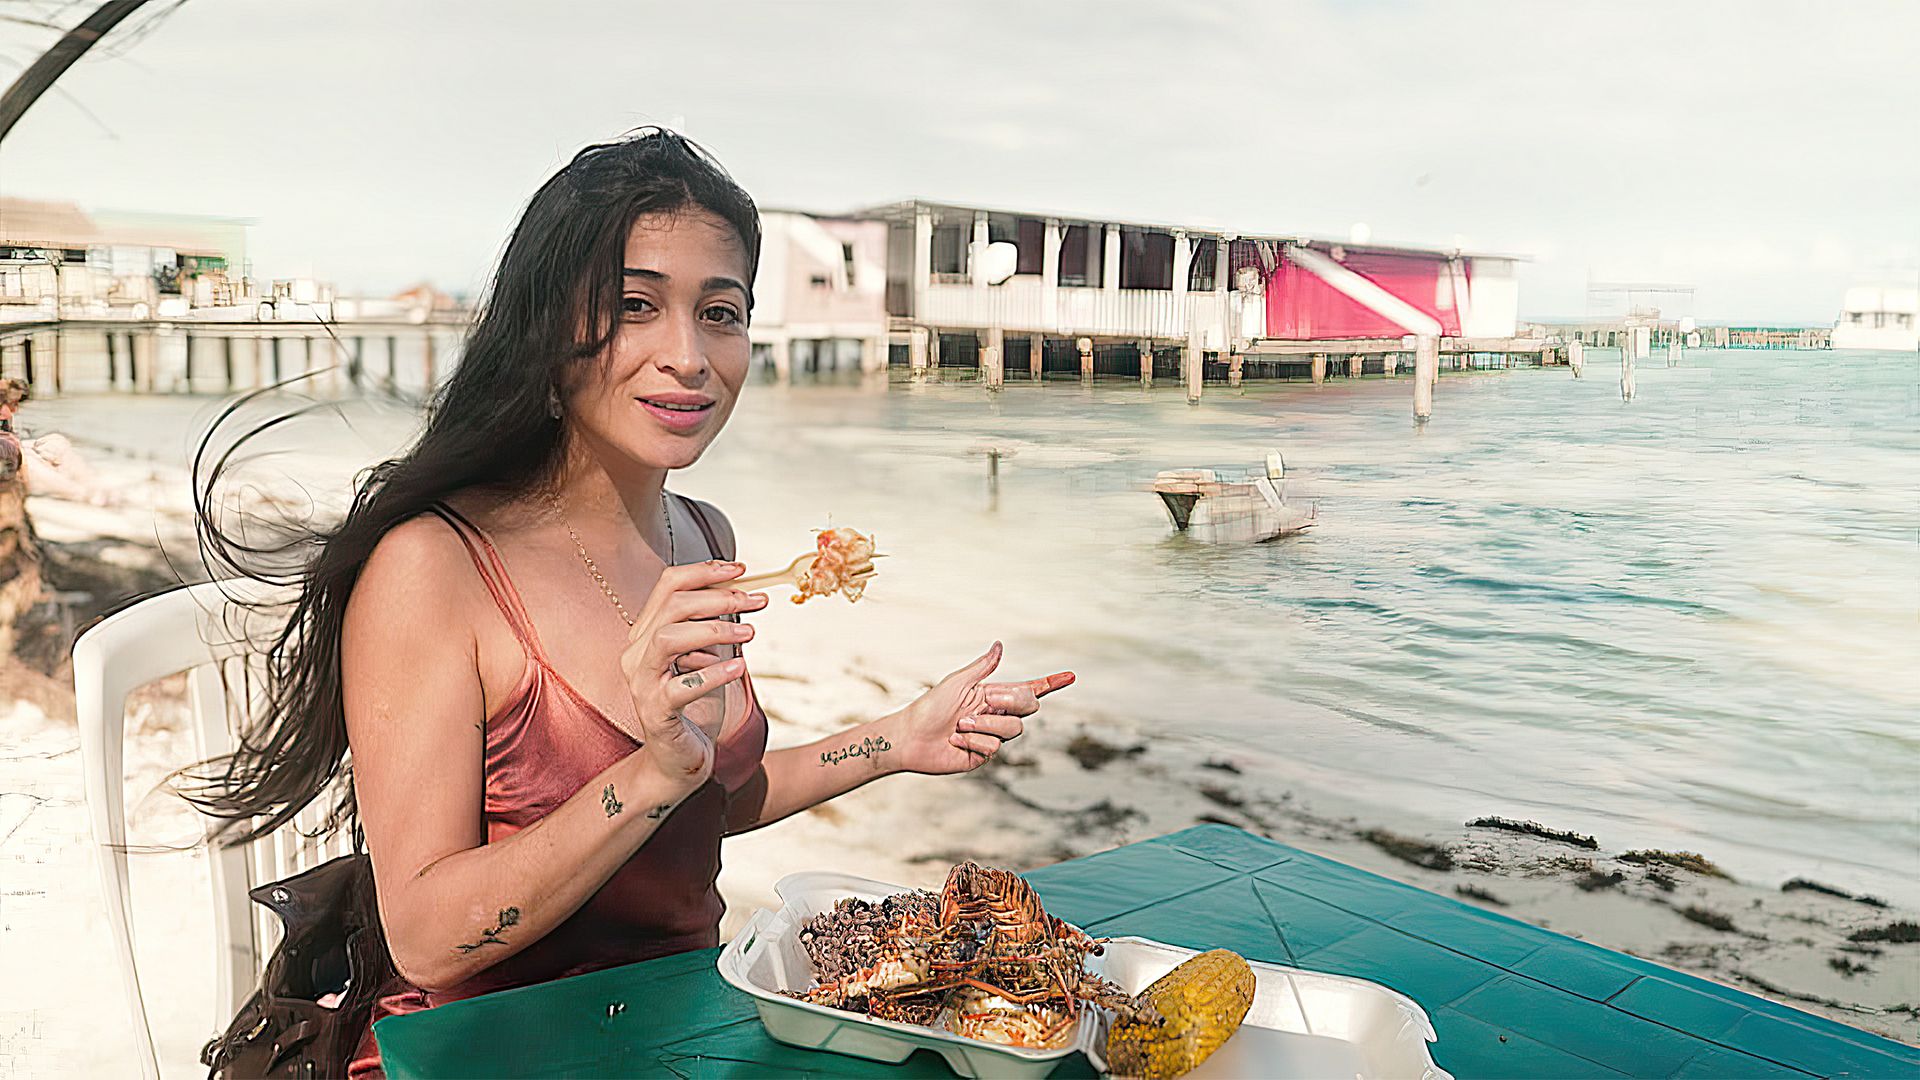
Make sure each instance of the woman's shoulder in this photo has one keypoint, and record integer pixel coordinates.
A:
(420, 554)
(433, 547)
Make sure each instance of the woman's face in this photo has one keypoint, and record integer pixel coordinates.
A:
(669, 380)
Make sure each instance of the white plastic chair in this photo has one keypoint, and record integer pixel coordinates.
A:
(221, 645)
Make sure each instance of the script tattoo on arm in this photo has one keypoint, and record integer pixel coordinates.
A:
(611, 801)
(491, 935)
(869, 747)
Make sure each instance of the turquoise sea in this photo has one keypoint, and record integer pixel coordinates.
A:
(1687, 621)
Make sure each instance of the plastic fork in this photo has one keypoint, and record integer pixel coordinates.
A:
(794, 574)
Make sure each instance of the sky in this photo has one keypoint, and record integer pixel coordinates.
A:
(1763, 153)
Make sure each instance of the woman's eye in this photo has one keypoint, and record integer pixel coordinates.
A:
(722, 315)
(635, 305)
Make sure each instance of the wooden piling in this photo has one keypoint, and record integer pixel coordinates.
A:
(1576, 357)
(993, 360)
(781, 353)
(1390, 364)
(1036, 355)
(1319, 368)
(1146, 364)
(1085, 347)
(1626, 372)
(916, 349)
(1426, 372)
(1193, 368)
(1355, 365)
(1235, 365)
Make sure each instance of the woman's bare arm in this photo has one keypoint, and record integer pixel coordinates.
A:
(803, 777)
(452, 904)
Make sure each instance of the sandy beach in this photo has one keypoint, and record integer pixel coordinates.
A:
(1085, 779)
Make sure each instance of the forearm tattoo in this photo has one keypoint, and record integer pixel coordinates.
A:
(611, 801)
(869, 747)
(659, 812)
(491, 935)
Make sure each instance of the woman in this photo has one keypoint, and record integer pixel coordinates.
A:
(529, 644)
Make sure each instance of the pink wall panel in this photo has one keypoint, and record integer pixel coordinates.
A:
(1300, 306)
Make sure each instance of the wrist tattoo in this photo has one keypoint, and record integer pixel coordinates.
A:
(491, 935)
(611, 801)
(659, 812)
(869, 747)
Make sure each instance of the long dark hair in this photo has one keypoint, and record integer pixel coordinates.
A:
(554, 301)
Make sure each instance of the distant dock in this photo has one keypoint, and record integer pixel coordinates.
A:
(1613, 333)
(402, 355)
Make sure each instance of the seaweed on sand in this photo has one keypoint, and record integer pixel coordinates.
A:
(1534, 828)
(1408, 849)
(1684, 860)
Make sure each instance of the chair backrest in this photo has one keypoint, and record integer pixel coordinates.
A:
(218, 634)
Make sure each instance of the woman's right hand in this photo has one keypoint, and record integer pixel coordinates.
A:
(680, 714)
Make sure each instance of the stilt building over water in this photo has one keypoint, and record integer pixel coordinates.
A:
(1017, 295)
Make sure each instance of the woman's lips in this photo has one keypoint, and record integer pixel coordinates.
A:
(676, 414)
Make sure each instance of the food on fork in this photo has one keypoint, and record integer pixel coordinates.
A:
(843, 563)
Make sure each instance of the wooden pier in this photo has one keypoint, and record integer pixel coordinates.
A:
(207, 356)
(996, 358)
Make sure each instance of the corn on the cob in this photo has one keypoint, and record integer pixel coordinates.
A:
(1203, 1002)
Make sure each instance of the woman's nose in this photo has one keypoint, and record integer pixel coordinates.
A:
(682, 350)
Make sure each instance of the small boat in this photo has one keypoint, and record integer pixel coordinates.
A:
(1253, 509)
(1874, 317)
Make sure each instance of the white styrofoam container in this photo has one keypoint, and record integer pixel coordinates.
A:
(1302, 1023)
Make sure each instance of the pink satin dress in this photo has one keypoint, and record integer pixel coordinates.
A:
(544, 743)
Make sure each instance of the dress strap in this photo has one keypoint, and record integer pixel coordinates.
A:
(494, 573)
(706, 528)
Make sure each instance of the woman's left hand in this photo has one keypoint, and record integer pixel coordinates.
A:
(964, 720)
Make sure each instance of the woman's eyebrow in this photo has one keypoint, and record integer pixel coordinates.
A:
(712, 284)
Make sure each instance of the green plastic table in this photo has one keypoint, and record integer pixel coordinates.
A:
(1507, 999)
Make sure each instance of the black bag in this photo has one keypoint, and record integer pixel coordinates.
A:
(333, 944)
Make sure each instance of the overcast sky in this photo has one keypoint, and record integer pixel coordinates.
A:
(1764, 153)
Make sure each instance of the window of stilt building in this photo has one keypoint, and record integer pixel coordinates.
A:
(1027, 234)
(1082, 255)
(1146, 259)
(1206, 256)
(899, 267)
(1245, 255)
(950, 244)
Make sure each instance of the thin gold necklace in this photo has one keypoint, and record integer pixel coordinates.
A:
(593, 569)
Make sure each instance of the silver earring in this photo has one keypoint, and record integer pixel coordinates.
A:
(553, 403)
